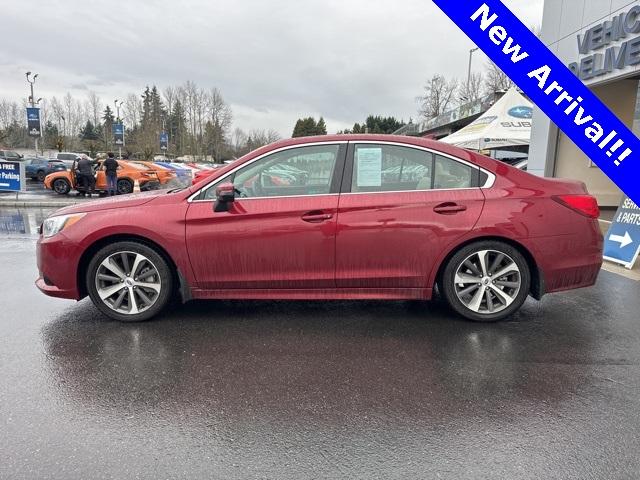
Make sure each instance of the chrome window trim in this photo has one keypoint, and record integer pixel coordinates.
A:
(277, 150)
(491, 178)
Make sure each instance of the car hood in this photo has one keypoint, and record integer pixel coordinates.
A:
(109, 203)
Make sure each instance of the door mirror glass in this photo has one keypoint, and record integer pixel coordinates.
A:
(225, 194)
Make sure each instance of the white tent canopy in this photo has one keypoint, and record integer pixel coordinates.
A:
(506, 124)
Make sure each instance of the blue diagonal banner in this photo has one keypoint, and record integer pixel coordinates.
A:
(552, 87)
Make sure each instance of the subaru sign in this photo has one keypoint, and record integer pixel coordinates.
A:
(622, 242)
(12, 177)
(521, 111)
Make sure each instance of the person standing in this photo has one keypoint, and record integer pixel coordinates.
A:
(85, 176)
(111, 171)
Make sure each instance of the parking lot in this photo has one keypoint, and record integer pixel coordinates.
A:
(295, 390)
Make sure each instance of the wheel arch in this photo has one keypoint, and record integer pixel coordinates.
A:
(537, 288)
(183, 286)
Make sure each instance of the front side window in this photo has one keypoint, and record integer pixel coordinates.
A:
(294, 172)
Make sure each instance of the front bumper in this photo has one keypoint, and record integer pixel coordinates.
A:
(57, 259)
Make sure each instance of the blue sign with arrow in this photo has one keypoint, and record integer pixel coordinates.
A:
(622, 242)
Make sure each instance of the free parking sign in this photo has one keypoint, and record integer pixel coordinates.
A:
(12, 177)
(622, 242)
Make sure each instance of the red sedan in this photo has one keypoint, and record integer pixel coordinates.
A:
(359, 217)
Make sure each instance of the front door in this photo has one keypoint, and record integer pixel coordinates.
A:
(279, 232)
(399, 209)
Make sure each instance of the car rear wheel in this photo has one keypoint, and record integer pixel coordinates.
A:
(61, 186)
(486, 281)
(129, 281)
(125, 186)
(40, 175)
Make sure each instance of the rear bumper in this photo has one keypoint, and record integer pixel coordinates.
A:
(150, 185)
(57, 259)
(568, 261)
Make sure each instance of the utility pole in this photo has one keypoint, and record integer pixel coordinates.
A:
(32, 100)
(118, 104)
(469, 72)
(64, 130)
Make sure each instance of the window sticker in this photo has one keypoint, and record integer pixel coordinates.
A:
(369, 167)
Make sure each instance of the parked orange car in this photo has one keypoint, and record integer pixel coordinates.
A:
(165, 175)
(128, 173)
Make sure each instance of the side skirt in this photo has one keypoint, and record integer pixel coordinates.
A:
(316, 294)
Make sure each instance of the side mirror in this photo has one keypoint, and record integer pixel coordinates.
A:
(225, 194)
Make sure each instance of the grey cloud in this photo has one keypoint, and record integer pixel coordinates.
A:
(277, 58)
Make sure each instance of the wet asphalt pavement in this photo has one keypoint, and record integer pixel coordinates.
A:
(292, 390)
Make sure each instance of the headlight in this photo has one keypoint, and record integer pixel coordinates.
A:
(53, 225)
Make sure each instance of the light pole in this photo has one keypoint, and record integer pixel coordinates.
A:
(118, 104)
(64, 128)
(31, 81)
(469, 71)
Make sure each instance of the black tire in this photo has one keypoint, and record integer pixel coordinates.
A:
(40, 175)
(158, 261)
(61, 186)
(447, 284)
(124, 186)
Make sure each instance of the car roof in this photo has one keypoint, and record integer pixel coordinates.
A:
(445, 148)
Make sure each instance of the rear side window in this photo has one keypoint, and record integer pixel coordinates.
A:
(451, 174)
(390, 168)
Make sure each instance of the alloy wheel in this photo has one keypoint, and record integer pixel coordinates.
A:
(487, 281)
(61, 186)
(128, 282)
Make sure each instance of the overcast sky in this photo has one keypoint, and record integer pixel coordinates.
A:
(273, 60)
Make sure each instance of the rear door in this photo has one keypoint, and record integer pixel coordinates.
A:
(399, 208)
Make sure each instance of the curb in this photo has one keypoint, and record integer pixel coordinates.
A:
(35, 203)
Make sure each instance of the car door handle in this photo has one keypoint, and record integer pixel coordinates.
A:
(449, 208)
(316, 216)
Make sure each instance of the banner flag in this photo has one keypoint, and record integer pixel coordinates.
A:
(164, 141)
(552, 87)
(118, 134)
(33, 121)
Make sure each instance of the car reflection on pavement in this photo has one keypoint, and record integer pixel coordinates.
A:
(22, 221)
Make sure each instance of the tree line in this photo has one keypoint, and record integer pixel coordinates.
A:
(442, 94)
(198, 122)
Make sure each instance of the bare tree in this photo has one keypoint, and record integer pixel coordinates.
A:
(496, 80)
(472, 90)
(218, 122)
(132, 110)
(170, 95)
(439, 96)
(94, 106)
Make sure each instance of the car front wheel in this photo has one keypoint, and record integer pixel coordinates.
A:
(129, 281)
(486, 281)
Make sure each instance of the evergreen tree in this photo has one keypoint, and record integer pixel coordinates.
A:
(88, 132)
(297, 129)
(50, 134)
(321, 127)
(177, 127)
(108, 119)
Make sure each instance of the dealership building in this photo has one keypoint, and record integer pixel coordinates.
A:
(599, 40)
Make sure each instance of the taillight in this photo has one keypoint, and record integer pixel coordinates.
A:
(584, 204)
